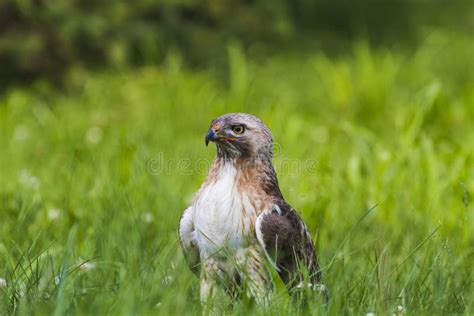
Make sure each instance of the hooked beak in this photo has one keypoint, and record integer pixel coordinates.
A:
(211, 135)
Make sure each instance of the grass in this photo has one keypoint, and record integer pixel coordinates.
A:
(93, 179)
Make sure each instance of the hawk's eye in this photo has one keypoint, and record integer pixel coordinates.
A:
(238, 129)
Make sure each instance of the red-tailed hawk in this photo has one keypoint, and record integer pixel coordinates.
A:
(239, 217)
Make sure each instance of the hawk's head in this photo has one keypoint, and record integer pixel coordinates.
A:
(240, 135)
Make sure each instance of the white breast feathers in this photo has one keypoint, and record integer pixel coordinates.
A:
(222, 214)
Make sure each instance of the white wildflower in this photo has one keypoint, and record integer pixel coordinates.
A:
(400, 310)
(57, 280)
(28, 180)
(148, 217)
(54, 214)
(21, 133)
(3, 283)
(94, 135)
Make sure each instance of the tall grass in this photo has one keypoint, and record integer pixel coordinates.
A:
(93, 180)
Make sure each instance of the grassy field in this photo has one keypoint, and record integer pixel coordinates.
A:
(375, 148)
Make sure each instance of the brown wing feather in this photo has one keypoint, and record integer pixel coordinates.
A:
(286, 240)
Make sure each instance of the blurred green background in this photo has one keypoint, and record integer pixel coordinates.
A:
(103, 110)
(45, 39)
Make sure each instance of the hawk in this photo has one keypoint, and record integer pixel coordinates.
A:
(239, 219)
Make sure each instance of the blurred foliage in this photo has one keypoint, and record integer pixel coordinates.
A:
(45, 38)
(387, 128)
